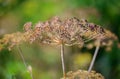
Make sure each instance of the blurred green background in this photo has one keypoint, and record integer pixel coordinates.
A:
(45, 60)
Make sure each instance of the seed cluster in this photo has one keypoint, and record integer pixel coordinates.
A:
(69, 31)
(11, 40)
(82, 74)
(56, 31)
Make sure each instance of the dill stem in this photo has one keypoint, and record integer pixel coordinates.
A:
(31, 75)
(62, 60)
(94, 56)
(20, 53)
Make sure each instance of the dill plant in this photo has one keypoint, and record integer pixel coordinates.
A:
(63, 32)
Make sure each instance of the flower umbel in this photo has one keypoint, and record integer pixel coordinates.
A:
(69, 31)
(82, 74)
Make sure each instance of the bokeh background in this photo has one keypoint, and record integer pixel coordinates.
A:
(45, 60)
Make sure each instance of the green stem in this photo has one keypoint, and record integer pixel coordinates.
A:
(20, 52)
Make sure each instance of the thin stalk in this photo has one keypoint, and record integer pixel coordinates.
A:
(62, 60)
(94, 57)
(20, 53)
(31, 75)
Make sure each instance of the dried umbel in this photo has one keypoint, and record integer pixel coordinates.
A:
(82, 74)
(68, 31)
(11, 40)
(56, 31)
(106, 41)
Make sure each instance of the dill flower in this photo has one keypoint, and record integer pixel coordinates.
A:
(82, 74)
(11, 40)
(69, 32)
(56, 31)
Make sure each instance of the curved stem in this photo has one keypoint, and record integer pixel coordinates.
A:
(94, 56)
(20, 52)
(62, 60)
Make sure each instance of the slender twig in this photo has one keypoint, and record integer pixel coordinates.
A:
(20, 53)
(62, 60)
(94, 56)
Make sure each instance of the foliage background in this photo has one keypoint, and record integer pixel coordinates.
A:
(45, 60)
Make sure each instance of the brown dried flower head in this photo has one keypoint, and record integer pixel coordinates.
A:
(82, 74)
(11, 40)
(56, 31)
(69, 32)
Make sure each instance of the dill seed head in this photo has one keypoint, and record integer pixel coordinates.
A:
(82, 74)
(70, 31)
(56, 31)
(11, 40)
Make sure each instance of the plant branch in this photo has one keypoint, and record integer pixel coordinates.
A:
(62, 60)
(20, 53)
(94, 56)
